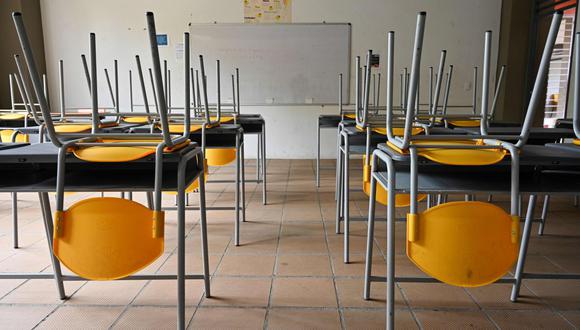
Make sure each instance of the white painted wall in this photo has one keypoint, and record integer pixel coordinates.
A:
(455, 25)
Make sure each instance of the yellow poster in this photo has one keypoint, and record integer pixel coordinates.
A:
(267, 11)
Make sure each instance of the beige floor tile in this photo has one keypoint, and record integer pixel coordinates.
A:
(238, 292)
(453, 320)
(260, 244)
(40, 292)
(106, 293)
(281, 319)
(573, 317)
(246, 265)
(165, 293)
(151, 318)
(558, 294)
(436, 295)
(376, 319)
(497, 296)
(356, 265)
(308, 292)
(23, 316)
(350, 294)
(82, 317)
(302, 245)
(302, 229)
(193, 264)
(540, 319)
(228, 318)
(303, 265)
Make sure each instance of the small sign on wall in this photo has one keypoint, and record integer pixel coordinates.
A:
(162, 40)
(267, 11)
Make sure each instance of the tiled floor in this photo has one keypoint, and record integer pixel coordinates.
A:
(288, 273)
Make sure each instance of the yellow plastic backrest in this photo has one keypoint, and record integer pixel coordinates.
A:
(12, 116)
(382, 195)
(136, 120)
(465, 244)
(72, 128)
(576, 142)
(350, 116)
(465, 123)
(178, 128)
(6, 136)
(107, 238)
(397, 131)
(119, 154)
(220, 156)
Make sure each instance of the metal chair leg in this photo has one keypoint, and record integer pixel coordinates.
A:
(370, 239)
(544, 215)
(204, 241)
(518, 275)
(243, 183)
(318, 154)
(339, 169)
(346, 212)
(48, 227)
(237, 196)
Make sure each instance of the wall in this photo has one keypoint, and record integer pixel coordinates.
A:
(11, 46)
(455, 25)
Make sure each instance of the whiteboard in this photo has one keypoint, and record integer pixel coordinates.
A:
(280, 64)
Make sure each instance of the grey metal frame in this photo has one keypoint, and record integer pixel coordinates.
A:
(405, 143)
(90, 140)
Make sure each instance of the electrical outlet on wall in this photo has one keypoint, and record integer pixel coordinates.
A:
(467, 86)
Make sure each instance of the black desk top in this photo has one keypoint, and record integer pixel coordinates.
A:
(33, 168)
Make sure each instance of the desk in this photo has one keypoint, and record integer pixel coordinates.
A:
(32, 168)
(538, 135)
(540, 166)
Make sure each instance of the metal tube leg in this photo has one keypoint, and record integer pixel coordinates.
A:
(264, 165)
(203, 228)
(237, 197)
(346, 213)
(370, 239)
(48, 227)
(318, 154)
(339, 177)
(259, 142)
(338, 163)
(181, 250)
(544, 215)
(243, 183)
(130, 195)
(150, 199)
(391, 247)
(15, 219)
(576, 199)
(523, 249)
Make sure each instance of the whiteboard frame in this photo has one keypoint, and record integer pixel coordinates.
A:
(345, 98)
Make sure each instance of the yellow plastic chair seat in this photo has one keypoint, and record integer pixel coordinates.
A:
(576, 142)
(465, 123)
(397, 131)
(6, 136)
(108, 238)
(220, 156)
(382, 195)
(108, 154)
(12, 116)
(465, 244)
(350, 116)
(136, 120)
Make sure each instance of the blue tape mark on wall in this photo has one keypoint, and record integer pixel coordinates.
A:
(162, 40)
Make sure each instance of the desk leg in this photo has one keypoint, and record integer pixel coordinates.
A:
(237, 196)
(48, 227)
(370, 239)
(264, 164)
(258, 164)
(391, 188)
(338, 163)
(181, 246)
(203, 228)
(523, 249)
(339, 169)
(15, 219)
(243, 183)
(345, 202)
(318, 154)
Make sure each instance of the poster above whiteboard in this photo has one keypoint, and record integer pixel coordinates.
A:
(267, 11)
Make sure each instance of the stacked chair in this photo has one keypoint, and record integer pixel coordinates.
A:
(462, 243)
(106, 238)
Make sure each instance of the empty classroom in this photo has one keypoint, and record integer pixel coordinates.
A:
(289, 164)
